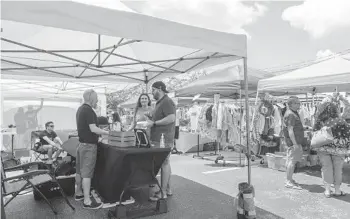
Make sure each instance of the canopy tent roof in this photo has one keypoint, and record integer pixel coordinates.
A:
(227, 82)
(70, 41)
(322, 77)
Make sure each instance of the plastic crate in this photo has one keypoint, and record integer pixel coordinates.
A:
(276, 161)
(271, 161)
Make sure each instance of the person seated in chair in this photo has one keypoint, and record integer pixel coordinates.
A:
(50, 142)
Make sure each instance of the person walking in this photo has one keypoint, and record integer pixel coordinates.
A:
(332, 155)
(294, 137)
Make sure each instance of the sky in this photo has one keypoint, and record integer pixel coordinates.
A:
(279, 33)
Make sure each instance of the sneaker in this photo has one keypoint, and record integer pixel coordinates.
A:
(293, 181)
(156, 197)
(129, 201)
(93, 205)
(79, 197)
(291, 185)
(126, 202)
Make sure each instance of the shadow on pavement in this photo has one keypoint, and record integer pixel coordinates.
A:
(316, 172)
(190, 200)
(313, 188)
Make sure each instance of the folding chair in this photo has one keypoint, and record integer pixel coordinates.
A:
(38, 153)
(30, 179)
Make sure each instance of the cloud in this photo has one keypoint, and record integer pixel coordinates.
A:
(319, 17)
(221, 15)
(324, 53)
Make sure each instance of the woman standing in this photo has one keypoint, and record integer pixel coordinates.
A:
(143, 110)
(332, 155)
(116, 122)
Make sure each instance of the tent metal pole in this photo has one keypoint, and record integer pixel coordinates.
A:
(187, 70)
(240, 125)
(121, 44)
(168, 60)
(89, 63)
(36, 51)
(29, 66)
(99, 50)
(44, 51)
(140, 61)
(247, 116)
(110, 74)
(110, 53)
(46, 67)
(205, 59)
(165, 70)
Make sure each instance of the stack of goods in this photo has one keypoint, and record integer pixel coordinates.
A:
(121, 139)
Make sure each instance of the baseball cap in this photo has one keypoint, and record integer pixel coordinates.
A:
(160, 85)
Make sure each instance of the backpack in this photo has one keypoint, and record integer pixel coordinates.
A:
(142, 140)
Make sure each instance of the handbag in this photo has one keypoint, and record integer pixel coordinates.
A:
(322, 137)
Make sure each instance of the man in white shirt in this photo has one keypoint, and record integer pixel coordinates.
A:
(194, 112)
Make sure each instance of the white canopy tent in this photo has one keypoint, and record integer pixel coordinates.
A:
(326, 76)
(227, 81)
(70, 41)
(73, 41)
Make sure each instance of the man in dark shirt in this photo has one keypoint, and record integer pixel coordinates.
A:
(294, 137)
(50, 142)
(31, 123)
(163, 122)
(88, 133)
(32, 115)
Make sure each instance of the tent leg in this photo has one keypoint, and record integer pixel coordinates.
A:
(240, 126)
(99, 50)
(247, 116)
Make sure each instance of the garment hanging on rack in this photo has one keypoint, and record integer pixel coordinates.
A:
(194, 112)
(272, 127)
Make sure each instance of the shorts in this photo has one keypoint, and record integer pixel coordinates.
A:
(86, 160)
(177, 132)
(294, 154)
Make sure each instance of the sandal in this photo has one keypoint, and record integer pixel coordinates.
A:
(341, 194)
(328, 195)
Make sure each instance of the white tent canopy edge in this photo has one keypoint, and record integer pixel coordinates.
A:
(326, 76)
(63, 40)
(208, 47)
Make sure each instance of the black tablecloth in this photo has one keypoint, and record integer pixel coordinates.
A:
(117, 168)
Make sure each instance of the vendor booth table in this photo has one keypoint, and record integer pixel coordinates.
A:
(188, 142)
(118, 169)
